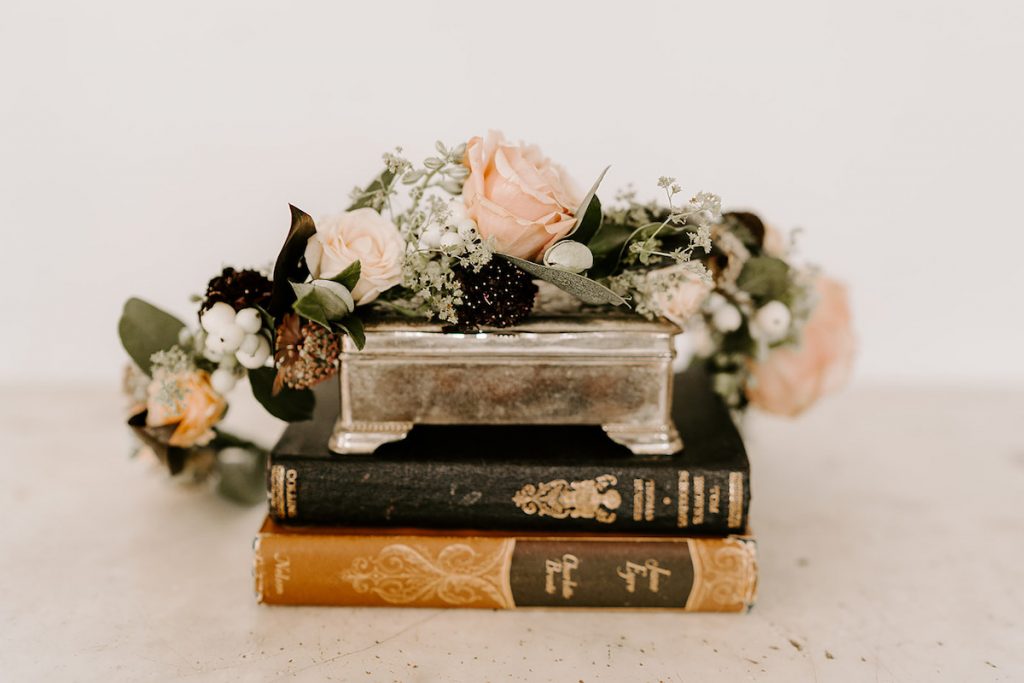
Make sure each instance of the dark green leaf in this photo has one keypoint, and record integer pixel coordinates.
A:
(590, 223)
(606, 246)
(583, 288)
(290, 405)
(348, 277)
(289, 265)
(145, 329)
(353, 327)
(765, 277)
(584, 207)
(371, 196)
(747, 226)
(242, 474)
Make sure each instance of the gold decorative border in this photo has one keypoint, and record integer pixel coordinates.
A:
(456, 574)
(724, 574)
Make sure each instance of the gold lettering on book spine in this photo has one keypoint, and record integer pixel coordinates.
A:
(283, 492)
(724, 574)
(698, 500)
(683, 495)
(457, 575)
(277, 491)
(735, 500)
(584, 499)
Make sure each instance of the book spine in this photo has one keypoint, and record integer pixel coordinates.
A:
(645, 497)
(691, 574)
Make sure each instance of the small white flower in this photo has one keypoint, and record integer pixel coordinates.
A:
(727, 319)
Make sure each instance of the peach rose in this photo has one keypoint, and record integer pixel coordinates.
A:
(361, 235)
(775, 242)
(188, 401)
(792, 378)
(517, 196)
(676, 292)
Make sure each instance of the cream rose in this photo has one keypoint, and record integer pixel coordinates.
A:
(517, 196)
(792, 378)
(676, 292)
(361, 235)
(188, 401)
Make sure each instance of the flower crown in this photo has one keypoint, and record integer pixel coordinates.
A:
(464, 238)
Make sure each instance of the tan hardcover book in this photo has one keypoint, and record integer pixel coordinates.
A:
(417, 568)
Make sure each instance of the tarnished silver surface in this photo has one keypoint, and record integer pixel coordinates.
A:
(575, 369)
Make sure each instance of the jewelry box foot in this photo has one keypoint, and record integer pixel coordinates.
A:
(365, 437)
(661, 439)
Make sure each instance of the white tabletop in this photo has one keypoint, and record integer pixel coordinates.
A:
(891, 549)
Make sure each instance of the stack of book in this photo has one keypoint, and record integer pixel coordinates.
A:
(502, 517)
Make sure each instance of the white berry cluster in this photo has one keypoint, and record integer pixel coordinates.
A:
(231, 339)
(769, 324)
(452, 231)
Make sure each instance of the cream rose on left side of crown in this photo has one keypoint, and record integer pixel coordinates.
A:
(360, 235)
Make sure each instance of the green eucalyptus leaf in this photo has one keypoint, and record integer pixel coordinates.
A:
(289, 265)
(145, 329)
(353, 327)
(370, 197)
(242, 474)
(290, 405)
(348, 277)
(321, 303)
(765, 277)
(581, 287)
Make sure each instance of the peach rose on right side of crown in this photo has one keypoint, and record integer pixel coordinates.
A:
(677, 293)
(517, 196)
(791, 378)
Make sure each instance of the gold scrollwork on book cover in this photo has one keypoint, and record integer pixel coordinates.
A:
(458, 575)
(585, 499)
(724, 574)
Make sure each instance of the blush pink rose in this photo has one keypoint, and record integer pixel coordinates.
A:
(360, 235)
(677, 293)
(517, 196)
(792, 378)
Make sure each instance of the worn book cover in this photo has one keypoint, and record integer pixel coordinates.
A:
(552, 478)
(416, 568)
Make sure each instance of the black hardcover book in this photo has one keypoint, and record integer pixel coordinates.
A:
(519, 478)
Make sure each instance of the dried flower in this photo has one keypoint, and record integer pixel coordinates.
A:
(306, 354)
(239, 289)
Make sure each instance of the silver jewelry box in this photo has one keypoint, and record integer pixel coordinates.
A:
(609, 370)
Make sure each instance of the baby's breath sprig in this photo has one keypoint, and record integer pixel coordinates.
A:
(444, 172)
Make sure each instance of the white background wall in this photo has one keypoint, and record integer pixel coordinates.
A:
(145, 145)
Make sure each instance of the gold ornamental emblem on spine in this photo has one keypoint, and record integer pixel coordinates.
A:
(585, 499)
